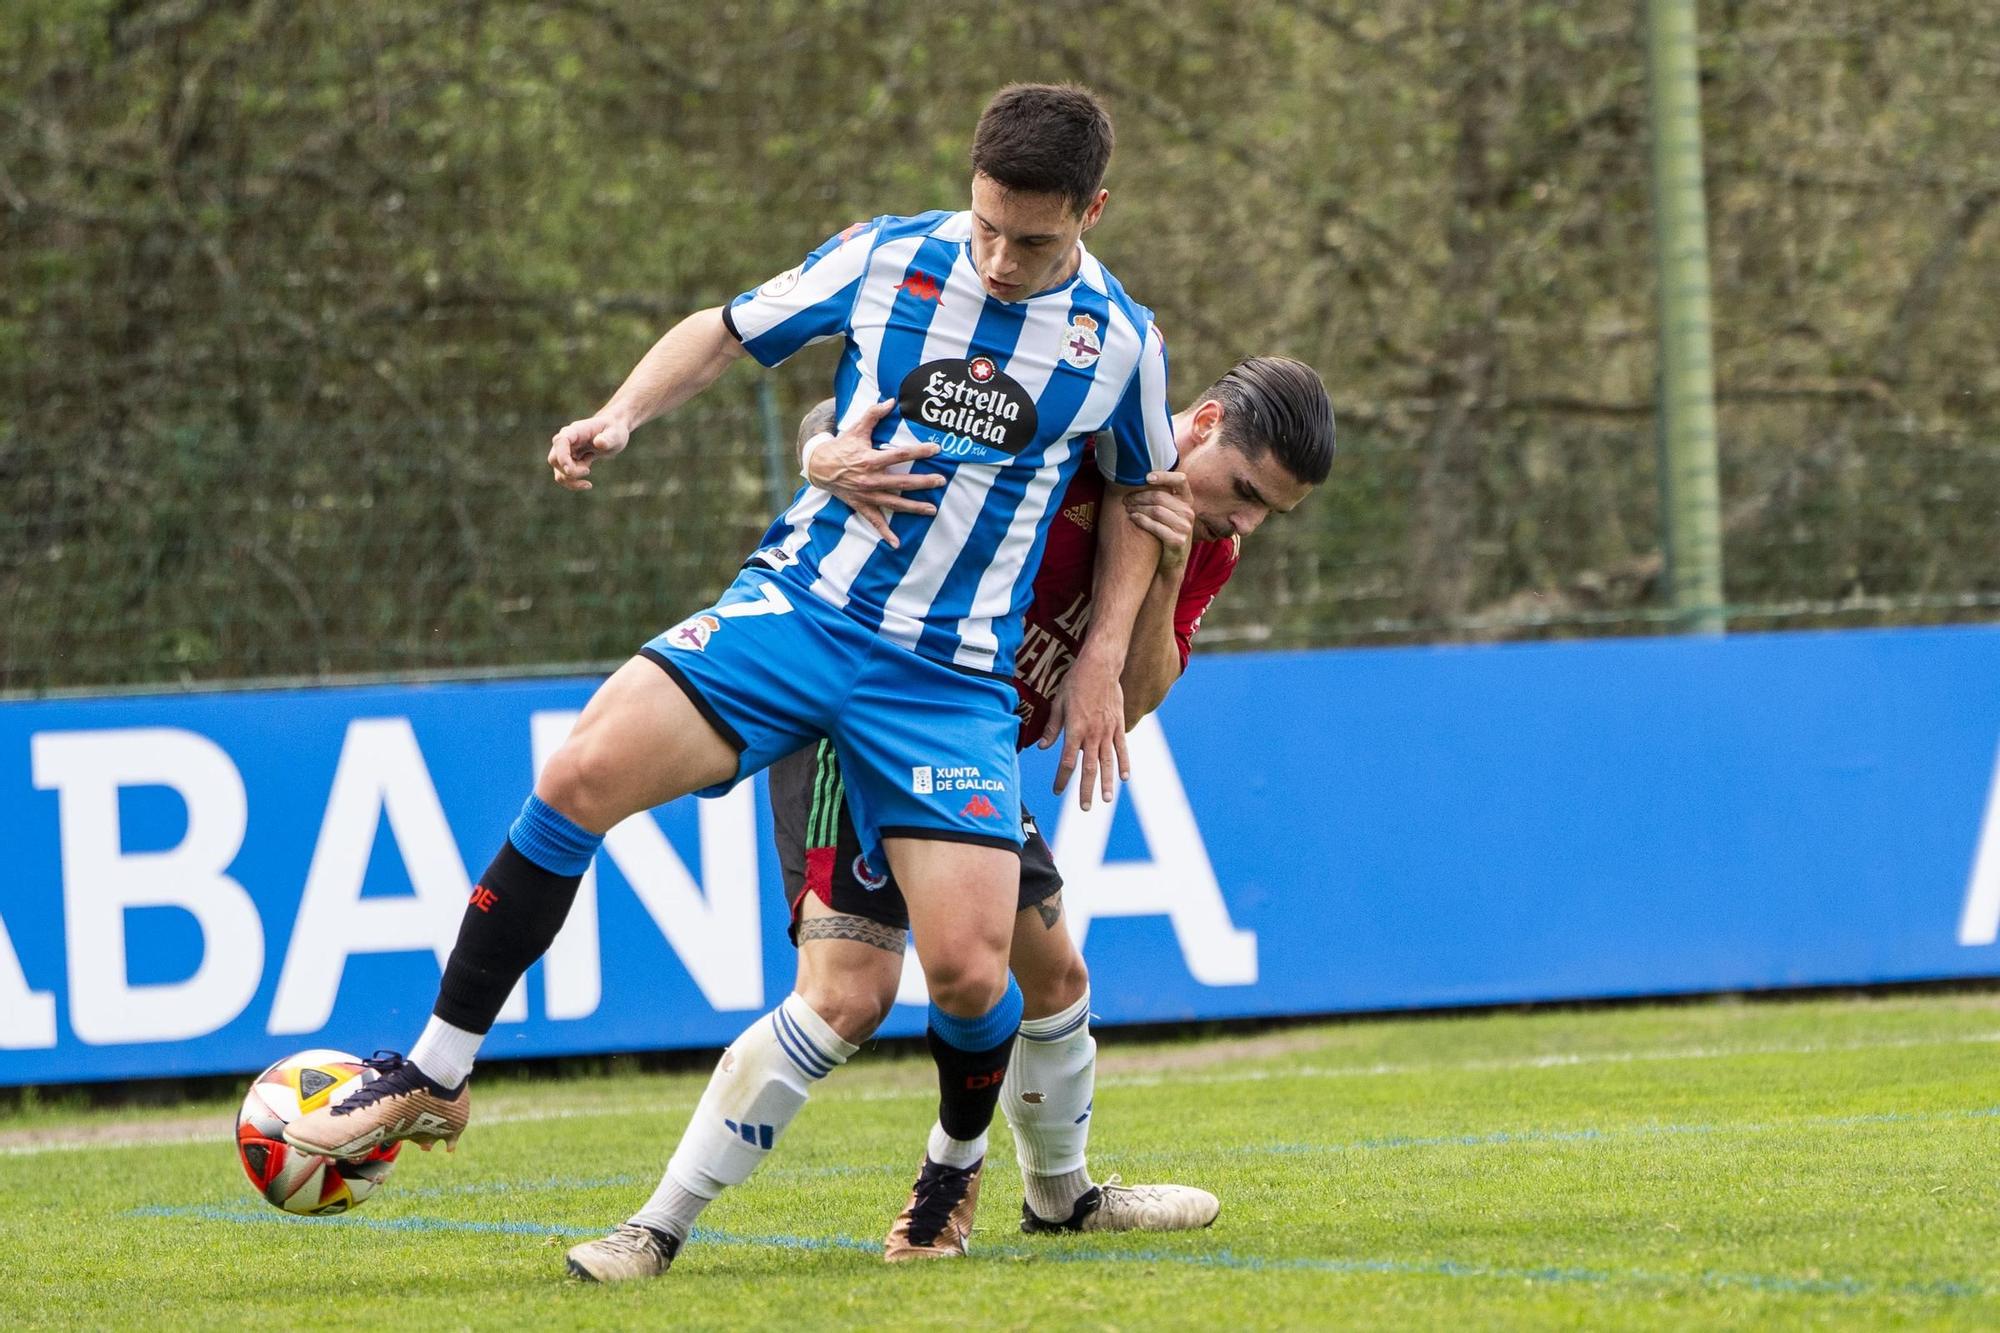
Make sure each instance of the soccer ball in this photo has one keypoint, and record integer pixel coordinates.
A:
(287, 1178)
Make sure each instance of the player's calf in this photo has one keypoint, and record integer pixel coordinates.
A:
(1048, 1095)
(971, 1057)
(761, 1083)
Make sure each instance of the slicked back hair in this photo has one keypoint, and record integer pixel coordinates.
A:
(1276, 403)
(1045, 138)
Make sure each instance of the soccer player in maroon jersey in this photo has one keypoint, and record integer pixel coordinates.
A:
(1254, 443)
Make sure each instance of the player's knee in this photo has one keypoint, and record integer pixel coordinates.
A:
(1054, 988)
(967, 987)
(850, 1006)
(580, 782)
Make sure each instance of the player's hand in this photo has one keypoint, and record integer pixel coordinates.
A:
(579, 444)
(854, 471)
(1089, 707)
(1164, 509)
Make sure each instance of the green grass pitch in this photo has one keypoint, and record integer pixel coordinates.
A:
(1710, 1165)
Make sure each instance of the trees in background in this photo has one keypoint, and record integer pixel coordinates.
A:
(291, 296)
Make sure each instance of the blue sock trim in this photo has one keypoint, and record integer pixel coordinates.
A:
(998, 1024)
(551, 840)
(799, 1048)
(1062, 1034)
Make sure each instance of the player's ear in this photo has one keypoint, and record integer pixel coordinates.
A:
(1208, 419)
(1095, 212)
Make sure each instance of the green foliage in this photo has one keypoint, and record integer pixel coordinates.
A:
(291, 296)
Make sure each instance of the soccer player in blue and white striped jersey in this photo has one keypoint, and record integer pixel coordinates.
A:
(1000, 379)
(984, 345)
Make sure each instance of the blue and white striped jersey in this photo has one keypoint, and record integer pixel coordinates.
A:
(1006, 389)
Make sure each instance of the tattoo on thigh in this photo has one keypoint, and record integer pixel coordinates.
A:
(1050, 910)
(857, 928)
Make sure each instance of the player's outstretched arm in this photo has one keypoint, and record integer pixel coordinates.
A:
(687, 359)
(1090, 707)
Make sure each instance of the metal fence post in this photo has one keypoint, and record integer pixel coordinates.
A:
(1687, 364)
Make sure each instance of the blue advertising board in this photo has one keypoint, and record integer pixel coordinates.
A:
(199, 884)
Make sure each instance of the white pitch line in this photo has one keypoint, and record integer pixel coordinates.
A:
(498, 1118)
(1544, 1061)
(1558, 1061)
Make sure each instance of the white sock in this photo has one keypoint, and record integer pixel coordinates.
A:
(758, 1086)
(1047, 1098)
(446, 1053)
(948, 1151)
(672, 1209)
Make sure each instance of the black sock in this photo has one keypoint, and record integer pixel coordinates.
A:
(511, 920)
(968, 1084)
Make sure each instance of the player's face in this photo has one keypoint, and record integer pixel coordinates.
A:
(1025, 243)
(1234, 493)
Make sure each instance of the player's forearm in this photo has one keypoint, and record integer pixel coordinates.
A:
(1126, 560)
(1153, 663)
(687, 359)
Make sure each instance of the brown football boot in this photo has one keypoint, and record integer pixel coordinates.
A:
(394, 1102)
(937, 1222)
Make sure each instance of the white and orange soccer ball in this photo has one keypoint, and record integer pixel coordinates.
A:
(302, 1182)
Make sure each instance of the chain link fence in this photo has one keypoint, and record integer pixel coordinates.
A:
(291, 297)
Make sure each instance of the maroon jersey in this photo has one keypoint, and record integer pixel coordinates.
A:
(1055, 623)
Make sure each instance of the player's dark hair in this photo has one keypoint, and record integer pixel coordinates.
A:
(1276, 403)
(1045, 138)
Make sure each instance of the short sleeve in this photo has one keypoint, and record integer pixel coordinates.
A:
(1141, 434)
(1208, 569)
(807, 304)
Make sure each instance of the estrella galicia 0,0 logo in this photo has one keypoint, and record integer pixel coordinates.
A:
(972, 410)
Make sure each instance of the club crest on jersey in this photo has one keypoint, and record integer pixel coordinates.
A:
(971, 409)
(1080, 344)
(693, 633)
(783, 283)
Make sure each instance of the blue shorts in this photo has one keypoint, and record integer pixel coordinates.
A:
(926, 751)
